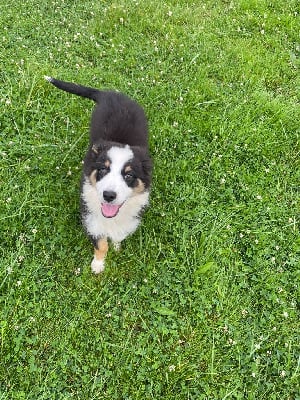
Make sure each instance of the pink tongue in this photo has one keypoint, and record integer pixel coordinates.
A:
(109, 210)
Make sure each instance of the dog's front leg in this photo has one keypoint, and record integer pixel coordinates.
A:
(100, 251)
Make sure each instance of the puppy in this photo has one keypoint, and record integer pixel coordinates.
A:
(117, 168)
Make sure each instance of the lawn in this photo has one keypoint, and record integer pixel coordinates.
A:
(203, 300)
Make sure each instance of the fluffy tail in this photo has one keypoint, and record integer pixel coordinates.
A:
(79, 90)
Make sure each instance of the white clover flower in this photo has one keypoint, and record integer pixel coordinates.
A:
(231, 342)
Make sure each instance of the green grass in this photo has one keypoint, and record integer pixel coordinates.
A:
(203, 300)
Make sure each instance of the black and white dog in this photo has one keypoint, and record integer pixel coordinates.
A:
(117, 168)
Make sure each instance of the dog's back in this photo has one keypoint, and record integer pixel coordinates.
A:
(116, 117)
(119, 119)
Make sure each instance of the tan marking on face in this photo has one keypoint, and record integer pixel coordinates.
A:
(140, 188)
(107, 163)
(128, 169)
(93, 177)
(101, 250)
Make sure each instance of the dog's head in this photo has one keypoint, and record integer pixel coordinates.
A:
(118, 173)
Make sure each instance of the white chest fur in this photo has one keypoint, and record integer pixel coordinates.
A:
(117, 228)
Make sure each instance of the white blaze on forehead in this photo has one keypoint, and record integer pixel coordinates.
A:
(113, 181)
(119, 156)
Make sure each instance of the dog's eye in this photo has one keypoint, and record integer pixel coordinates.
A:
(129, 177)
(101, 171)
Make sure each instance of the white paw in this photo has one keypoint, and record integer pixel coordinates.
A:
(97, 266)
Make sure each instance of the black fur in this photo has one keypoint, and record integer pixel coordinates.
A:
(116, 118)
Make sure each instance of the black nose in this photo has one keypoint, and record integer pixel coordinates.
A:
(109, 195)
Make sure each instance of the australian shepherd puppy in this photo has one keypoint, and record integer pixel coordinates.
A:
(116, 171)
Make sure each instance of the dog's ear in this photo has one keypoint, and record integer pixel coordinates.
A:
(92, 156)
(147, 168)
(143, 155)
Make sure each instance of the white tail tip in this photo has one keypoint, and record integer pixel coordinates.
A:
(48, 78)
